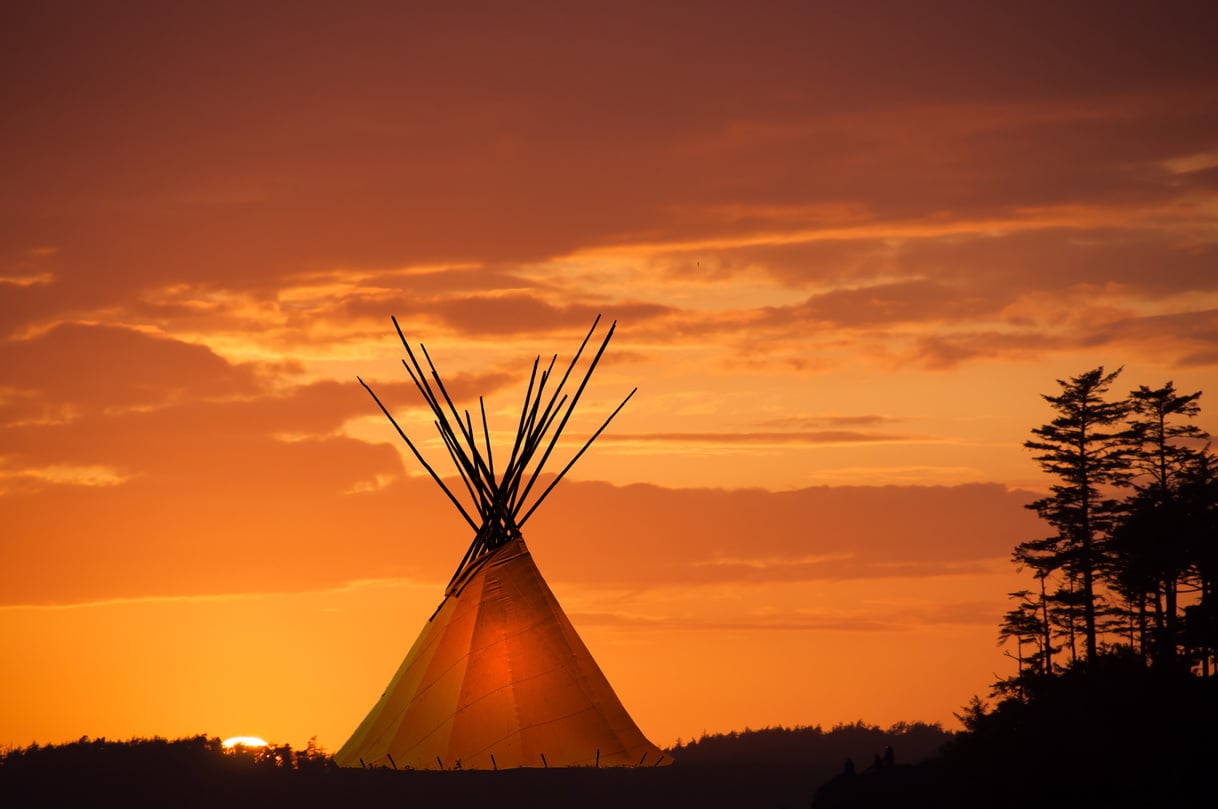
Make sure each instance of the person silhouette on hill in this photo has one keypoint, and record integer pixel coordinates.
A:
(889, 757)
(848, 767)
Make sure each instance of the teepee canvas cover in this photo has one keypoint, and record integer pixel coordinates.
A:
(498, 677)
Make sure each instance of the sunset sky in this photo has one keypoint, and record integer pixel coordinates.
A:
(847, 246)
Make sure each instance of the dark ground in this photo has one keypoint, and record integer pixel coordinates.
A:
(765, 768)
(657, 787)
(1110, 741)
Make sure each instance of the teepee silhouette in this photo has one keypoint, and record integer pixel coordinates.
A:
(498, 677)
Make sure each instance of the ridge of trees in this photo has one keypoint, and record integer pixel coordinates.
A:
(773, 766)
(804, 745)
(1116, 641)
(1116, 687)
(778, 744)
(194, 754)
(1132, 561)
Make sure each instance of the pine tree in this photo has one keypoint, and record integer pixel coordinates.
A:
(1151, 545)
(1027, 624)
(1085, 448)
(1163, 449)
(1197, 494)
(1041, 555)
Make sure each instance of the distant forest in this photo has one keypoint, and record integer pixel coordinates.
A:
(862, 744)
(768, 767)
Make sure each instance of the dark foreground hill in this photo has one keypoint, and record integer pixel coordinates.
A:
(1117, 734)
(767, 768)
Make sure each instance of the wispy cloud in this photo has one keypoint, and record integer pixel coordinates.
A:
(59, 475)
(764, 438)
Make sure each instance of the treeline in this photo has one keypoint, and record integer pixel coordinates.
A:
(1131, 564)
(1116, 640)
(1115, 694)
(202, 754)
(189, 772)
(801, 745)
(768, 767)
(811, 746)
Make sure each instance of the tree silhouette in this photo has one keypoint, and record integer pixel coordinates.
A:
(1134, 512)
(1086, 450)
(1197, 500)
(1027, 624)
(1152, 543)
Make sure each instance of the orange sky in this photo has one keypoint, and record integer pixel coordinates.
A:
(847, 247)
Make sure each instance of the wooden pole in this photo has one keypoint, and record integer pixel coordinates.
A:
(469, 438)
(570, 409)
(544, 415)
(486, 434)
(571, 463)
(418, 455)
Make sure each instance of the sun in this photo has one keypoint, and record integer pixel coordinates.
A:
(243, 741)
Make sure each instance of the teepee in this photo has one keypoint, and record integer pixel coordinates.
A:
(498, 677)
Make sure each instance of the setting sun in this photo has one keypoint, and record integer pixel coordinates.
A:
(243, 741)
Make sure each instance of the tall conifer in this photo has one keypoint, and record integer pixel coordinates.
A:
(1153, 543)
(1085, 448)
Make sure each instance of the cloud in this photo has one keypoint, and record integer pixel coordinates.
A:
(861, 420)
(454, 148)
(762, 197)
(949, 351)
(920, 301)
(1190, 336)
(208, 512)
(703, 535)
(15, 479)
(81, 367)
(839, 618)
(942, 302)
(784, 623)
(214, 515)
(509, 313)
(154, 440)
(1150, 260)
(761, 438)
